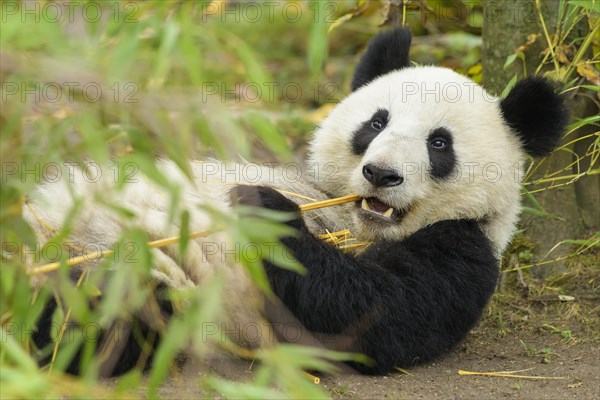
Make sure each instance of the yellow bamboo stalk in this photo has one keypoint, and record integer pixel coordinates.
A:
(315, 379)
(403, 370)
(63, 327)
(99, 254)
(507, 374)
(329, 202)
(94, 255)
(353, 245)
(333, 235)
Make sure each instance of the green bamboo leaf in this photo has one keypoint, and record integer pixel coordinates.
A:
(269, 134)
(123, 212)
(74, 299)
(589, 5)
(531, 198)
(258, 228)
(92, 132)
(540, 213)
(139, 141)
(512, 58)
(139, 256)
(284, 258)
(570, 13)
(170, 33)
(69, 346)
(593, 119)
(338, 22)
(266, 214)
(318, 41)
(591, 87)
(207, 137)
(190, 50)
(166, 353)
(58, 319)
(245, 248)
(146, 165)
(509, 86)
(14, 352)
(184, 232)
(122, 61)
(237, 390)
(582, 242)
(255, 69)
(16, 230)
(129, 381)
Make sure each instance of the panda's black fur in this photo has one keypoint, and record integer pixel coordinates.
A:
(141, 330)
(403, 300)
(400, 302)
(536, 114)
(387, 52)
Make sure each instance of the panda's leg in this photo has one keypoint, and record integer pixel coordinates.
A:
(121, 346)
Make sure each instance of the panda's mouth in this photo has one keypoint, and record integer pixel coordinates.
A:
(376, 207)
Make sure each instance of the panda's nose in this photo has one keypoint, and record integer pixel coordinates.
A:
(381, 177)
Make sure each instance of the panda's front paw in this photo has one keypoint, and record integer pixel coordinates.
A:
(262, 196)
(266, 197)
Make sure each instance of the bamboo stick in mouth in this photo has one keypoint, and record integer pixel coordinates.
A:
(329, 202)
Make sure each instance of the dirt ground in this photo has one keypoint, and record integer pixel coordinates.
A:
(579, 365)
(555, 340)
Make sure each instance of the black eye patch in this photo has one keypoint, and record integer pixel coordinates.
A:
(368, 131)
(441, 154)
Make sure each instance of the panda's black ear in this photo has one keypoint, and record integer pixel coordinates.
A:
(386, 52)
(536, 113)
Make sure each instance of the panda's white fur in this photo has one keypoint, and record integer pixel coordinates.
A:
(98, 226)
(212, 180)
(489, 139)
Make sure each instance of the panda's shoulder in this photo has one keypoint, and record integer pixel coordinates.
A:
(457, 235)
(459, 245)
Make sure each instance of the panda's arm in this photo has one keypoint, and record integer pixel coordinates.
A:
(398, 302)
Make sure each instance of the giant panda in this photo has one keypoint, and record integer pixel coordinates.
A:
(437, 163)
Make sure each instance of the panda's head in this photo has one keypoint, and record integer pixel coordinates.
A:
(425, 144)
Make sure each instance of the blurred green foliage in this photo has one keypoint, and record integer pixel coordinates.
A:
(133, 81)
